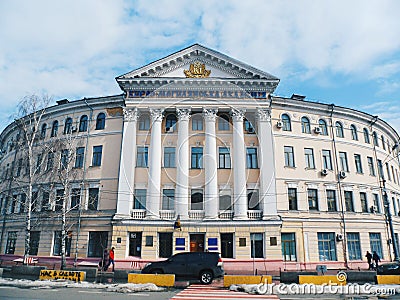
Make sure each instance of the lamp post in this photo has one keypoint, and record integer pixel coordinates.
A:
(389, 218)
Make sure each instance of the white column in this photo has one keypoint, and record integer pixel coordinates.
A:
(210, 165)
(182, 171)
(155, 152)
(267, 164)
(127, 163)
(239, 166)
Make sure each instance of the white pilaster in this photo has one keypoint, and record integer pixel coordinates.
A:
(127, 163)
(239, 166)
(267, 166)
(182, 171)
(210, 165)
(155, 152)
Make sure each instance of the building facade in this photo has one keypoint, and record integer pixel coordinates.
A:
(198, 155)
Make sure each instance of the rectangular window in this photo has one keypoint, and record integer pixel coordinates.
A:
(348, 199)
(39, 163)
(22, 202)
(80, 154)
(142, 157)
(34, 243)
(257, 245)
(380, 169)
(289, 156)
(309, 157)
(312, 199)
(292, 197)
(93, 198)
(196, 199)
(98, 241)
(376, 203)
(59, 200)
(353, 246)
(197, 123)
(64, 159)
(326, 246)
(224, 158)
(225, 200)
(376, 243)
(393, 175)
(364, 203)
(11, 241)
(343, 161)
(168, 202)
(253, 200)
(97, 153)
(50, 161)
(169, 157)
(357, 160)
(251, 158)
(371, 167)
(288, 241)
(326, 159)
(75, 198)
(19, 167)
(46, 201)
(388, 171)
(331, 200)
(197, 157)
(57, 247)
(140, 199)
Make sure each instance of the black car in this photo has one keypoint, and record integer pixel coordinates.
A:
(392, 268)
(202, 265)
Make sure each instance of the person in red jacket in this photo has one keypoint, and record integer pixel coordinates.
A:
(111, 259)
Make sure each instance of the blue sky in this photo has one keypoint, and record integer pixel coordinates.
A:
(341, 52)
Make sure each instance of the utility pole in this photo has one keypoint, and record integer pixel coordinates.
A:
(389, 218)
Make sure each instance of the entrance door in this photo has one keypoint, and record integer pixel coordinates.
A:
(197, 242)
(227, 245)
(135, 244)
(165, 244)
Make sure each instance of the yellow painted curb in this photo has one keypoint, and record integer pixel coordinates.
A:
(244, 279)
(320, 279)
(60, 274)
(388, 279)
(157, 279)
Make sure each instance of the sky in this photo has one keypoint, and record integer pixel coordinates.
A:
(343, 52)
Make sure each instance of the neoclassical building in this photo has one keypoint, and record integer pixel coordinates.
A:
(197, 154)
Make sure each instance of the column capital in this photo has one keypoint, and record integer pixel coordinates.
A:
(210, 114)
(238, 114)
(263, 114)
(183, 114)
(131, 114)
(156, 114)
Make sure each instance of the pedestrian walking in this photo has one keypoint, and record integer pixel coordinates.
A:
(369, 260)
(376, 258)
(111, 259)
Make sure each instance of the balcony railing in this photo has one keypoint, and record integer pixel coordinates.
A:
(138, 213)
(226, 214)
(196, 214)
(167, 214)
(254, 214)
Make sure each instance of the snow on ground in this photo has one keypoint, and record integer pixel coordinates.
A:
(49, 284)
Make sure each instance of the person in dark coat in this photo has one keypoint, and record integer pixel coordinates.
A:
(105, 260)
(369, 260)
(376, 259)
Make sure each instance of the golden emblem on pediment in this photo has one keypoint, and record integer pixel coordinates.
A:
(197, 70)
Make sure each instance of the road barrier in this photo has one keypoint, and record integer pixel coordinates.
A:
(157, 279)
(244, 279)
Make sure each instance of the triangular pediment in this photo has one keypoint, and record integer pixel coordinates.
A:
(201, 62)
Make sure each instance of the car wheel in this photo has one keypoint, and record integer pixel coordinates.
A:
(206, 277)
(157, 271)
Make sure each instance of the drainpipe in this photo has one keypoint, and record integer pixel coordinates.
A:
(344, 242)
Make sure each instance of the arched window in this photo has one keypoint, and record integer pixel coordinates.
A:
(383, 142)
(286, 124)
(170, 123)
(305, 125)
(323, 127)
(339, 129)
(366, 136)
(375, 139)
(54, 129)
(68, 126)
(43, 131)
(197, 122)
(196, 200)
(83, 123)
(223, 122)
(144, 122)
(354, 135)
(100, 121)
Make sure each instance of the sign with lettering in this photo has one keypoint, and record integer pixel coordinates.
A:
(76, 276)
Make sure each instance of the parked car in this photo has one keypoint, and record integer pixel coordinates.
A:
(191, 265)
(392, 268)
